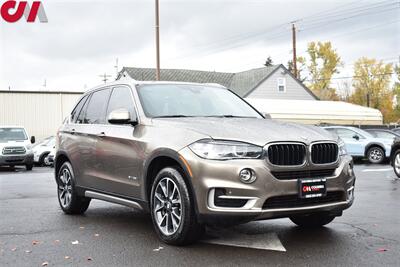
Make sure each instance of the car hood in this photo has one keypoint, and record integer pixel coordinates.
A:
(249, 130)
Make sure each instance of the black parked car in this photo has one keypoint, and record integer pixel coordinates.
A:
(395, 156)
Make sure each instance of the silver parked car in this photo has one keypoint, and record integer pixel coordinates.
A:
(195, 154)
(360, 143)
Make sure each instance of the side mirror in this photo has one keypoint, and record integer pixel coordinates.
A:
(356, 137)
(33, 139)
(120, 116)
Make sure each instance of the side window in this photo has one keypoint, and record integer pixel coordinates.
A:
(281, 84)
(96, 110)
(81, 115)
(77, 109)
(121, 97)
(384, 135)
(345, 133)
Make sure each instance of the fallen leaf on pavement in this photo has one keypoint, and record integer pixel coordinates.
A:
(76, 242)
(45, 263)
(35, 242)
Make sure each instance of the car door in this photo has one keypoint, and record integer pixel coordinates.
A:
(88, 133)
(118, 150)
(355, 143)
(74, 140)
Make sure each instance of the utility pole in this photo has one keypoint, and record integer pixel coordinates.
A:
(294, 50)
(116, 67)
(157, 41)
(105, 77)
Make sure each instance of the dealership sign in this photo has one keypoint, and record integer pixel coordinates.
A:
(12, 11)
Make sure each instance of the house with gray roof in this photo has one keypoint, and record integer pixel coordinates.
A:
(273, 82)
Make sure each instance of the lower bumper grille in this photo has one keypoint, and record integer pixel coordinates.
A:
(219, 201)
(292, 175)
(293, 201)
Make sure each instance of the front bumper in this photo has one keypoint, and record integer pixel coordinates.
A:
(25, 159)
(208, 176)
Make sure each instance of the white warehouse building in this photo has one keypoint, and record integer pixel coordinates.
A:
(40, 112)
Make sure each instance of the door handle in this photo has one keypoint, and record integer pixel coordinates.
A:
(72, 131)
(102, 134)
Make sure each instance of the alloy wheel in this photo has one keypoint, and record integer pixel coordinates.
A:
(167, 207)
(397, 163)
(65, 188)
(375, 155)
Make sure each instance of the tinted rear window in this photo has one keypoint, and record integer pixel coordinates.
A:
(96, 110)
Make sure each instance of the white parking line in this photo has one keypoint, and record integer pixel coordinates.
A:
(377, 170)
(268, 241)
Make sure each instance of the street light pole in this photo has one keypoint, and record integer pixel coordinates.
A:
(157, 41)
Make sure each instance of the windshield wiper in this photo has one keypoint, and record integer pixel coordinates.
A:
(230, 116)
(172, 116)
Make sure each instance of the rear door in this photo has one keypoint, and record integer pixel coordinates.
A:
(118, 151)
(72, 139)
(88, 133)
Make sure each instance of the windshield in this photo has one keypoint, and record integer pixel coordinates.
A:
(12, 134)
(182, 100)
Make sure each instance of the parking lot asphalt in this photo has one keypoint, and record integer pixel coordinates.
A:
(35, 232)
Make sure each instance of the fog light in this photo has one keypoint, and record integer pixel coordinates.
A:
(247, 176)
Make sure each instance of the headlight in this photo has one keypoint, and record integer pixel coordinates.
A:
(222, 150)
(342, 148)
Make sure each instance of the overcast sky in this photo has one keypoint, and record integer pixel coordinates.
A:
(82, 39)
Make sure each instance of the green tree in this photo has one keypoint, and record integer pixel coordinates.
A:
(396, 91)
(301, 67)
(371, 83)
(268, 62)
(323, 63)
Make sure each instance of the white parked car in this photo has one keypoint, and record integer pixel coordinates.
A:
(49, 160)
(42, 149)
(16, 147)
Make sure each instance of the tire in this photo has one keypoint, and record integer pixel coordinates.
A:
(396, 163)
(375, 155)
(68, 198)
(315, 220)
(41, 159)
(167, 206)
(29, 167)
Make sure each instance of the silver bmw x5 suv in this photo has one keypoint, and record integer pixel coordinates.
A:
(196, 154)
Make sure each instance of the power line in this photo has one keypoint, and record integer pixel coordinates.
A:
(257, 35)
(348, 77)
